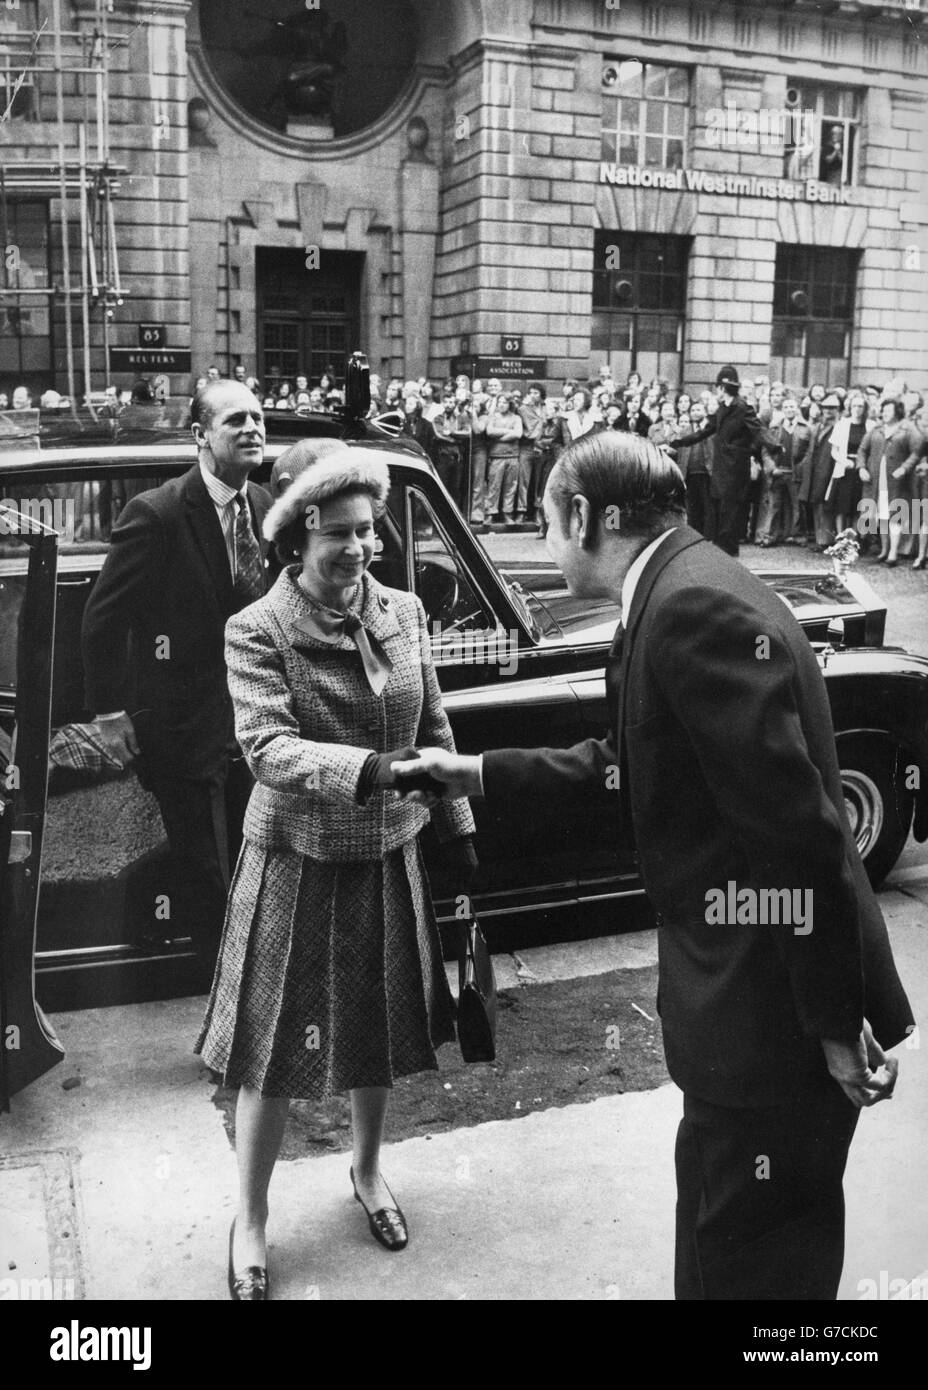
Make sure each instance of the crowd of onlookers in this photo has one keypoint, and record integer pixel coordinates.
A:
(832, 457)
(825, 451)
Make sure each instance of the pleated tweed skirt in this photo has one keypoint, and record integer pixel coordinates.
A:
(329, 976)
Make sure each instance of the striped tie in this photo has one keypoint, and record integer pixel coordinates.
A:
(249, 571)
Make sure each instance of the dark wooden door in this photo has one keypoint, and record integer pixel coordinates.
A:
(308, 320)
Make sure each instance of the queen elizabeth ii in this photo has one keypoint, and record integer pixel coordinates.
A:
(330, 974)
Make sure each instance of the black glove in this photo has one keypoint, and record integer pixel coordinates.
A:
(458, 860)
(376, 774)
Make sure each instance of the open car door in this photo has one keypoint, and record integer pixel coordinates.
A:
(28, 571)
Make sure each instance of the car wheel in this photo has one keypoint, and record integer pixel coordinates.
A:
(879, 807)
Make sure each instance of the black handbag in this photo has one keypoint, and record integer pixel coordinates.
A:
(476, 1017)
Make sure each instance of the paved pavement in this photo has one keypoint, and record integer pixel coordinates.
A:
(119, 1175)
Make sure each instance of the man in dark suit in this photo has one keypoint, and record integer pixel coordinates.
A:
(183, 558)
(738, 435)
(729, 783)
(780, 510)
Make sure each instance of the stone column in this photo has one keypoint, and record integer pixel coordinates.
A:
(419, 180)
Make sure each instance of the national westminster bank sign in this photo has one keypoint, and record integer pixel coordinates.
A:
(735, 185)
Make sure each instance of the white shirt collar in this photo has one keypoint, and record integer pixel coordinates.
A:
(637, 569)
(219, 491)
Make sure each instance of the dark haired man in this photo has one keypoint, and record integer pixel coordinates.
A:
(695, 463)
(723, 753)
(183, 558)
(738, 435)
(532, 412)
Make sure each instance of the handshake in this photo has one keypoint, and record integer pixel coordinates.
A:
(424, 775)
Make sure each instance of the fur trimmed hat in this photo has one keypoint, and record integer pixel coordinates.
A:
(351, 471)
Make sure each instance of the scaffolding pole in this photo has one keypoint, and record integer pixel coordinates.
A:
(85, 261)
(65, 248)
(87, 183)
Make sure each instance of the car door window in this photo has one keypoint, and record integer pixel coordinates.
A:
(389, 563)
(28, 1046)
(104, 839)
(452, 605)
(83, 511)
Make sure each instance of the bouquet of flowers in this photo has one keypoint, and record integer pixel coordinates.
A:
(844, 552)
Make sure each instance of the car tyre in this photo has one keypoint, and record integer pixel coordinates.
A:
(879, 807)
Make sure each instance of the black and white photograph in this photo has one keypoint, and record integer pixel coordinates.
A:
(464, 664)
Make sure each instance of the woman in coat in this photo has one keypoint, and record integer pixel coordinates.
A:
(330, 974)
(920, 493)
(844, 488)
(887, 459)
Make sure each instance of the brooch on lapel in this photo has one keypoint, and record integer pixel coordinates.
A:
(384, 602)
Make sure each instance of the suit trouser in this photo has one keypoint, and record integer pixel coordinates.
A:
(203, 822)
(478, 463)
(776, 513)
(750, 507)
(727, 522)
(502, 486)
(698, 502)
(525, 495)
(450, 469)
(760, 1202)
(823, 517)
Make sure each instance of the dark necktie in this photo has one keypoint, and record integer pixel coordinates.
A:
(249, 571)
(614, 681)
(615, 699)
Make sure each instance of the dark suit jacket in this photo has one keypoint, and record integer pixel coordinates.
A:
(423, 432)
(153, 632)
(731, 775)
(793, 447)
(819, 466)
(738, 434)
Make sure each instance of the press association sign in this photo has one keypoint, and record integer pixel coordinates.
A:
(735, 185)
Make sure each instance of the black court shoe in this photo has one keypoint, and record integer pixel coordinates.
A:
(251, 1285)
(388, 1224)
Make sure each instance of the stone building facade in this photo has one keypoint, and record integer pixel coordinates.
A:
(553, 183)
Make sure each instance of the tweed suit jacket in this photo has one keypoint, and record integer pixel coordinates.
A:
(306, 719)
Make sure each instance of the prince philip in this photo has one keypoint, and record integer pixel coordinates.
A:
(728, 774)
(183, 558)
